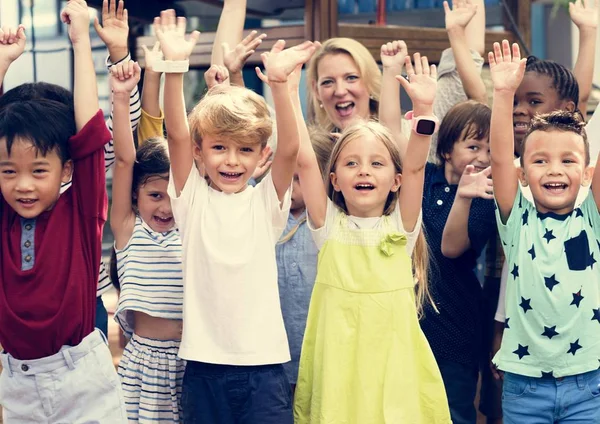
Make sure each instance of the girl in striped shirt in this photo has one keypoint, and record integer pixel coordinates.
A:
(148, 259)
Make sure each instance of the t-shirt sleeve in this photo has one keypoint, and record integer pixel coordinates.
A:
(192, 195)
(320, 235)
(411, 237)
(89, 179)
(279, 211)
(509, 231)
(590, 210)
(501, 308)
(150, 127)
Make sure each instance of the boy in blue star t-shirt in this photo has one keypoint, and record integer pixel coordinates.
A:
(551, 346)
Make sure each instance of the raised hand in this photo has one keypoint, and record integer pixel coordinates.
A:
(584, 13)
(235, 59)
(77, 17)
(475, 184)
(152, 56)
(280, 63)
(170, 31)
(216, 74)
(421, 80)
(12, 43)
(393, 55)
(124, 76)
(461, 13)
(507, 69)
(115, 28)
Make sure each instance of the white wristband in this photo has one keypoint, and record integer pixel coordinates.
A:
(171, 66)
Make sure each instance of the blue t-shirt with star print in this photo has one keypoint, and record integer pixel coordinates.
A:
(553, 290)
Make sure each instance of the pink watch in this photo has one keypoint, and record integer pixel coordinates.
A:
(423, 125)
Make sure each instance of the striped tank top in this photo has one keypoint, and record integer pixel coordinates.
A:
(150, 274)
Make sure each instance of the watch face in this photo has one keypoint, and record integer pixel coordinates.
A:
(425, 127)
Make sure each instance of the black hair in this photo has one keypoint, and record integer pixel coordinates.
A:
(469, 119)
(38, 91)
(112, 269)
(562, 78)
(152, 159)
(47, 124)
(560, 120)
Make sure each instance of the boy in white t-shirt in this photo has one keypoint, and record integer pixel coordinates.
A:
(233, 334)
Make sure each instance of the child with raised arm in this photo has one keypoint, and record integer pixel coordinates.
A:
(56, 367)
(551, 344)
(364, 358)
(233, 339)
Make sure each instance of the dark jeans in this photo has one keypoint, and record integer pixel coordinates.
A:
(229, 394)
(101, 316)
(460, 382)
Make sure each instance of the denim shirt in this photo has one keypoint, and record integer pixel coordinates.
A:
(296, 270)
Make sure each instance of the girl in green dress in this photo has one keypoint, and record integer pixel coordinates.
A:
(364, 358)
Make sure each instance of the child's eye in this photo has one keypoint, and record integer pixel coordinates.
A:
(156, 196)
(534, 102)
(568, 161)
(473, 147)
(351, 163)
(218, 147)
(539, 161)
(8, 172)
(377, 163)
(39, 171)
(247, 149)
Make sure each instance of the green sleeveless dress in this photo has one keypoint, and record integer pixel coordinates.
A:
(364, 357)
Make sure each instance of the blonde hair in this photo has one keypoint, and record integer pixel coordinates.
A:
(420, 257)
(366, 64)
(232, 112)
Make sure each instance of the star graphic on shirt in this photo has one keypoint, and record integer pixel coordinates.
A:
(525, 217)
(532, 252)
(577, 298)
(506, 323)
(574, 347)
(596, 315)
(578, 212)
(591, 260)
(551, 282)
(548, 235)
(550, 332)
(590, 221)
(548, 374)
(525, 304)
(520, 203)
(522, 351)
(598, 243)
(515, 271)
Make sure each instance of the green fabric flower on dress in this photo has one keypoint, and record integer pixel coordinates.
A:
(386, 244)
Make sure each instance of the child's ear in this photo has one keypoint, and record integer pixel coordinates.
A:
(334, 183)
(67, 171)
(397, 183)
(588, 174)
(197, 152)
(522, 176)
(570, 106)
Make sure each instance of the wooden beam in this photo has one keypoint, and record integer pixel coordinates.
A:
(521, 13)
(321, 19)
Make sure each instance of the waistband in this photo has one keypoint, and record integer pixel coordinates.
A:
(154, 343)
(66, 357)
(547, 378)
(206, 368)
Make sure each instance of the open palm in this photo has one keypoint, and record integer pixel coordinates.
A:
(507, 69)
(461, 13)
(170, 31)
(421, 82)
(114, 29)
(475, 184)
(584, 13)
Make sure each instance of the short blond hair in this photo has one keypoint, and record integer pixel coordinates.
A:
(231, 112)
(366, 64)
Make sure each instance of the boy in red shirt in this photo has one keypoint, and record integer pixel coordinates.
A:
(57, 368)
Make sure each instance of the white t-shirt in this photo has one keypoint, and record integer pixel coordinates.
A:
(593, 132)
(231, 310)
(320, 235)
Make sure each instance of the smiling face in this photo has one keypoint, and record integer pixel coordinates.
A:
(229, 165)
(30, 183)
(341, 90)
(535, 96)
(466, 151)
(154, 204)
(365, 175)
(555, 168)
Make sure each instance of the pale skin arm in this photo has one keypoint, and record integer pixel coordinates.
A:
(229, 30)
(311, 179)
(584, 14)
(465, 25)
(455, 239)
(235, 59)
(12, 45)
(122, 217)
(280, 64)
(114, 29)
(151, 89)
(393, 55)
(171, 35)
(85, 92)
(507, 73)
(421, 89)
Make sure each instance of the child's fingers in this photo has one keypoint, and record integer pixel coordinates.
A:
(261, 76)
(125, 16)
(409, 67)
(120, 72)
(418, 66)
(487, 172)
(433, 72)
(181, 24)
(131, 68)
(506, 51)
(2, 33)
(497, 53)
(469, 169)
(104, 9)
(112, 7)
(120, 9)
(403, 82)
(491, 59)
(249, 37)
(194, 37)
(516, 52)
(278, 46)
(425, 65)
(446, 7)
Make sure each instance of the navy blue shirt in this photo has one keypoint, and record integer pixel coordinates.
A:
(455, 333)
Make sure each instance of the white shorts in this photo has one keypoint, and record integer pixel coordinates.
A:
(79, 384)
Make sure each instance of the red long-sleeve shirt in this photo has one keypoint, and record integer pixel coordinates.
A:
(54, 303)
